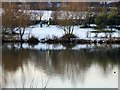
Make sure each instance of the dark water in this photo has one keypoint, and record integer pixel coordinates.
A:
(55, 66)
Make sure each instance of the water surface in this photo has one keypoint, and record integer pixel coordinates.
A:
(59, 66)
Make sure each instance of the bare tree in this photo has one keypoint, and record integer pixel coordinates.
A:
(41, 9)
(8, 20)
(69, 16)
(8, 16)
(23, 20)
(15, 18)
(38, 13)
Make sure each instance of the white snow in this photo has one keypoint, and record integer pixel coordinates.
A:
(54, 30)
(44, 32)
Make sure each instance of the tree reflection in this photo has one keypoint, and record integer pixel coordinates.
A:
(68, 64)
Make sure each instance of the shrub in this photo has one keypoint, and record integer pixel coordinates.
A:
(33, 40)
(68, 37)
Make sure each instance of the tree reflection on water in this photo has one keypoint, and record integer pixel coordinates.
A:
(67, 64)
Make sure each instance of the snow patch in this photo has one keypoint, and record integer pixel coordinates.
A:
(54, 30)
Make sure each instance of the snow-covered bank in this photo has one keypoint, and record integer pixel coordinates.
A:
(53, 30)
(44, 32)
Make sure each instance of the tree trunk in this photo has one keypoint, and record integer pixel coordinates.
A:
(22, 33)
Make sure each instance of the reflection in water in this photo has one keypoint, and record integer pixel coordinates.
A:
(0, 67)
(0, 75)
(31, 68)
